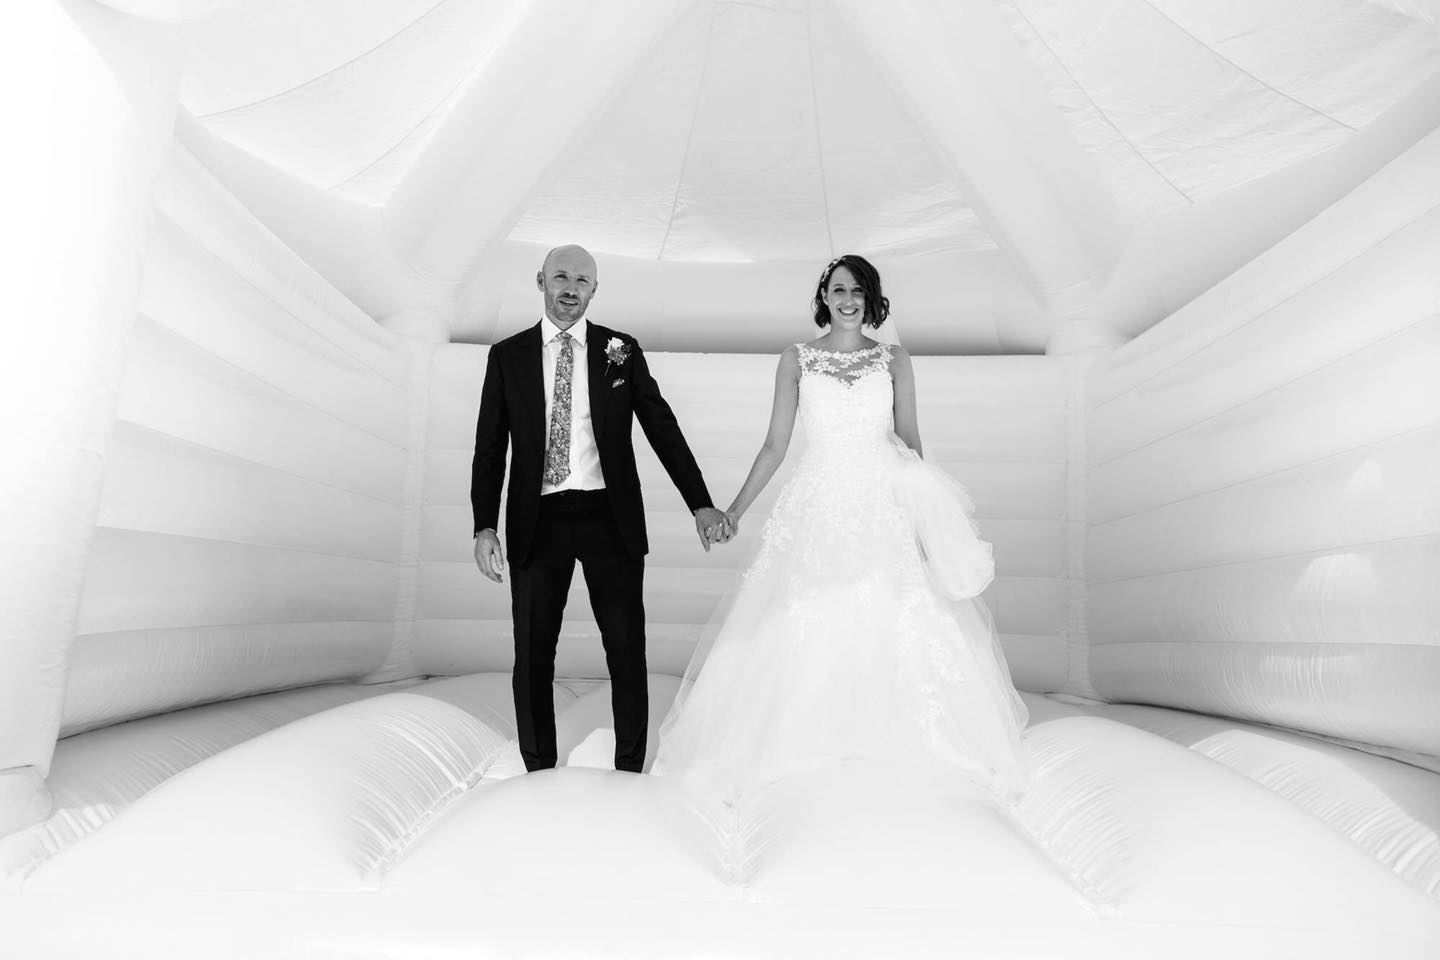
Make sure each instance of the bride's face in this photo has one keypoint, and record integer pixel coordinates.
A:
(845, 300)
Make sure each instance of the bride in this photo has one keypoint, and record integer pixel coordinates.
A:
(855, 631)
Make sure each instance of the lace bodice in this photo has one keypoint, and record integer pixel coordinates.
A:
(849, 366)
(846, 401)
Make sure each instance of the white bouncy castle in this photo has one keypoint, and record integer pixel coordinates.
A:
(1170, 271)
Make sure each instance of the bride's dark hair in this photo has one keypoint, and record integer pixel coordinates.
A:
(877, 305)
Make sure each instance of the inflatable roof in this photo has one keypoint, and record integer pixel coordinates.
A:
(1088, 162)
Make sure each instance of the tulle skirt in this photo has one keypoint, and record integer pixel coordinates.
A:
(855, 631)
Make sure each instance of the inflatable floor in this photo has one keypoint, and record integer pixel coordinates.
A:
(401, 824)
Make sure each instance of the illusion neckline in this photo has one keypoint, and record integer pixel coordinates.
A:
(841, 353)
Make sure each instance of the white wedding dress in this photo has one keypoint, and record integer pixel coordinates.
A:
(855, 630)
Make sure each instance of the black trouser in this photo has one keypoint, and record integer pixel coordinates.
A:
(578, 525)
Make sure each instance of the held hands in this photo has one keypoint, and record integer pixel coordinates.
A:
(715, 526)
(488, 555)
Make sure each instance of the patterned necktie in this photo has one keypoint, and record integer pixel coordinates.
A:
(557, 451)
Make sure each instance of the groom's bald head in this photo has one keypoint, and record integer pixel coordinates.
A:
(572, 254)
(568, 280)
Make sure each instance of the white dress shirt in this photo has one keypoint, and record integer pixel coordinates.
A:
(584, 455)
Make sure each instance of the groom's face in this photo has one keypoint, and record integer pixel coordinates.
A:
(568, 281)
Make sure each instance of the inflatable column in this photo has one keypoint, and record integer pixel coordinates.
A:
(90, 104)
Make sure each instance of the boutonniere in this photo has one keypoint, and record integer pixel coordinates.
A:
(617, 351)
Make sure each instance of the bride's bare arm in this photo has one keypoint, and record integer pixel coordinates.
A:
(903, 375)
(777, 440)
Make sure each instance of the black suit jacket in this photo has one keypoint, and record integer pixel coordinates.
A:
(512, 411)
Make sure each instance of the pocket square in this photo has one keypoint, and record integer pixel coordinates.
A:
(616, 383)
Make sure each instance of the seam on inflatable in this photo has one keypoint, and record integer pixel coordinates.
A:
(445, 104)
(1257, 644)
(1404, 856)
(252, 375)
(399, 660)
(71, 825)
(396, 850)
(1222, 334)
(1071, 815)
(689, 136)
(218, 453)
(337, 69)
(1064, 68)
(736, 831)
(1215, 52)
(1379, 441)
(819, 139)
(254, 387)
(1077, 495)
(1312, 371)
(1321, 551)
(196, 538)
(283, 290)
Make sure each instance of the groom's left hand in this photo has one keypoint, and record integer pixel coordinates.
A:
(712, 526)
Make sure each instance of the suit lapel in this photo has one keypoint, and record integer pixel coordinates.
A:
(595, 341)
(532, 383)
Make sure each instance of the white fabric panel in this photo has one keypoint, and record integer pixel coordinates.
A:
(1264, 531)
(1224, 93)
(1378, 694)
(1376, 492)
(235, 413)
(137, 580)
(332, 129)
(324, 803)
(1384, 205)
(175, 11)
(782, 110)
(1324, 396)
(1000, 424)
(252, 514)
(257, 50)
(204, 300)
(88, 108)
(136, 673)
(329, 323)
(958, 66)
(400, 661)
(454, 201)
(156, 483)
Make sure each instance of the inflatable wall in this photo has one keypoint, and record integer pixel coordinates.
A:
(1262, 512)
(250, 518)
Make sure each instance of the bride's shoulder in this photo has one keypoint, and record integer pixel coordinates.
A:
(899, 363)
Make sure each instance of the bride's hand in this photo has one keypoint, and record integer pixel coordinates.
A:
(732, 520)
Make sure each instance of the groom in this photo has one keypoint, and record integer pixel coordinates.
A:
(566, 392)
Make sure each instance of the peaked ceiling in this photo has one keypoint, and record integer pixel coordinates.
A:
(414, 149)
